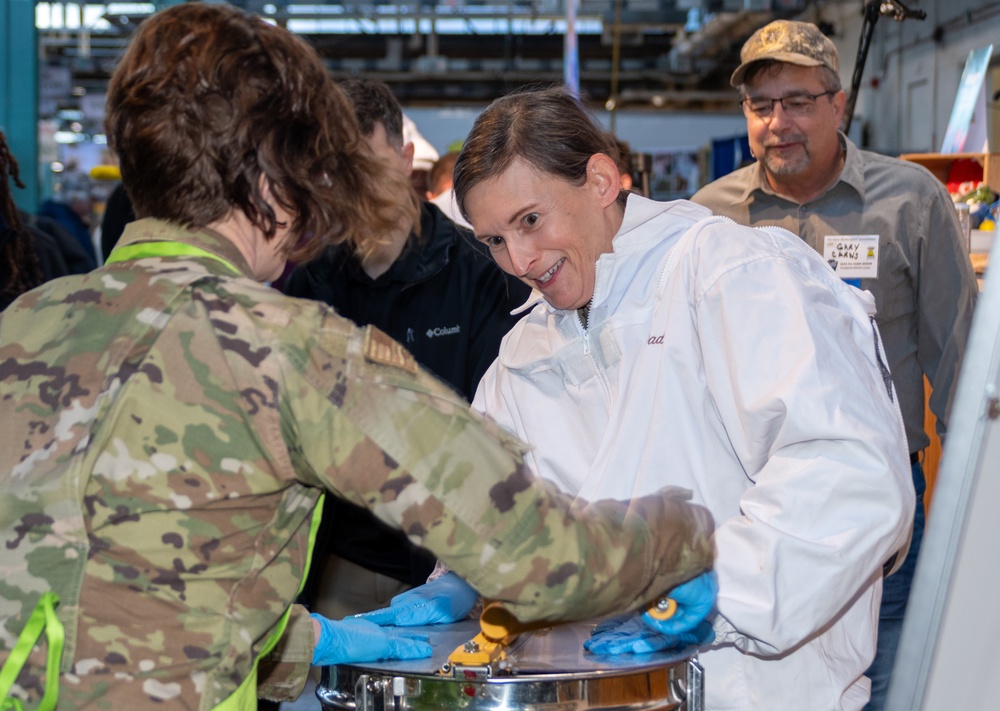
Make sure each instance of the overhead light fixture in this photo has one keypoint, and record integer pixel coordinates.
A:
(68, 137)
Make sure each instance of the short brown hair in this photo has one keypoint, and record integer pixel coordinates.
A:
(547, 128)
(374, 103)
(209, 103)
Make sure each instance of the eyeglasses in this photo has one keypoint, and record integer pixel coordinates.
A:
(795, 105)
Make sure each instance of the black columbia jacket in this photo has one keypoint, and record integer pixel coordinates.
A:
(449, 304)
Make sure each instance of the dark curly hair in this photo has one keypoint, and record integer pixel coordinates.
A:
(210, 106)
(18, 254)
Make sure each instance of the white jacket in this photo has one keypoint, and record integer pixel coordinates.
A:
(733, 362)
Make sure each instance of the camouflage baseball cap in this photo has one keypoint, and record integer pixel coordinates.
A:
(787, 41)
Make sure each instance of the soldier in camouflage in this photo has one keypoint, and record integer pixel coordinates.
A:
(170, 423)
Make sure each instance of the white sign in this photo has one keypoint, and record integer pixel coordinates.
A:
(967, 124)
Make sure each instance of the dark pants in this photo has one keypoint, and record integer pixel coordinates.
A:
(895, 592)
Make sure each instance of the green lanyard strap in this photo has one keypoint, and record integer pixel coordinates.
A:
(162, 249)
(43, 617)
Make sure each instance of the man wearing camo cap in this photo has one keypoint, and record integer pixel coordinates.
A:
(812, 180)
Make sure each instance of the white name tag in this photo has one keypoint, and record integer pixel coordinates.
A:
(852, 256)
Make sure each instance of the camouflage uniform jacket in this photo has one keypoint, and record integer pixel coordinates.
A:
(169, 425)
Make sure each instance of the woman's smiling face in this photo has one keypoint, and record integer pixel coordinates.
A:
(544, 230)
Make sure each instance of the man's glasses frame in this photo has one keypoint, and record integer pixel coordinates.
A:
(795, 105)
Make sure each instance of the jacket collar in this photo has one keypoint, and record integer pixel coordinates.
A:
(617, 266)
(639, 211)
(154, 230)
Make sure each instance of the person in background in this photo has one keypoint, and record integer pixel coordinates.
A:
(118, 212)
(624, 160)
(429, 288)
(669, 346)
(75, 257)
(424, 155)
(812, 180)
(440, 191)
(170, 424)
(28, 256)
(440, 177)
(71, 208)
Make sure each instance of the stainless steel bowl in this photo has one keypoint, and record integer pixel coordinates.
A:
(544, 670)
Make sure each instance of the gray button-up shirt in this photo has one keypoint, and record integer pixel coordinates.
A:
(926, 288)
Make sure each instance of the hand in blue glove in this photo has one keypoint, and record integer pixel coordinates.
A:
(631, 635)
(351, 641)
(611, 623)
(638, 634)
(695, 600)
(441, 601)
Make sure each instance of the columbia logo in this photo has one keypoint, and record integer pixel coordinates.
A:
(451, 331)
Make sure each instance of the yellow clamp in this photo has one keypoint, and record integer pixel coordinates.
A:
(498, 629)
(478, 651)
(664, 609)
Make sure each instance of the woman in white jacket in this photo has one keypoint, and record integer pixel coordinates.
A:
(666, 346)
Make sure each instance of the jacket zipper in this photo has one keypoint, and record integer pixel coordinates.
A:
(599, 367)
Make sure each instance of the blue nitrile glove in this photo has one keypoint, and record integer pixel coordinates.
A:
(442, 601)
(634, 633)
(631, 635)
(611, 623)
(695, 600)
(351, 641)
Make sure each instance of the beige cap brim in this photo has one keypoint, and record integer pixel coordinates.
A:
(790, 57)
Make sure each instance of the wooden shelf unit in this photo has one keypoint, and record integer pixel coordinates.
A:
(940, 165)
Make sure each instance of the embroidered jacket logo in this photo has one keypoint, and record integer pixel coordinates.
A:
(449, 331)
(655, 341)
